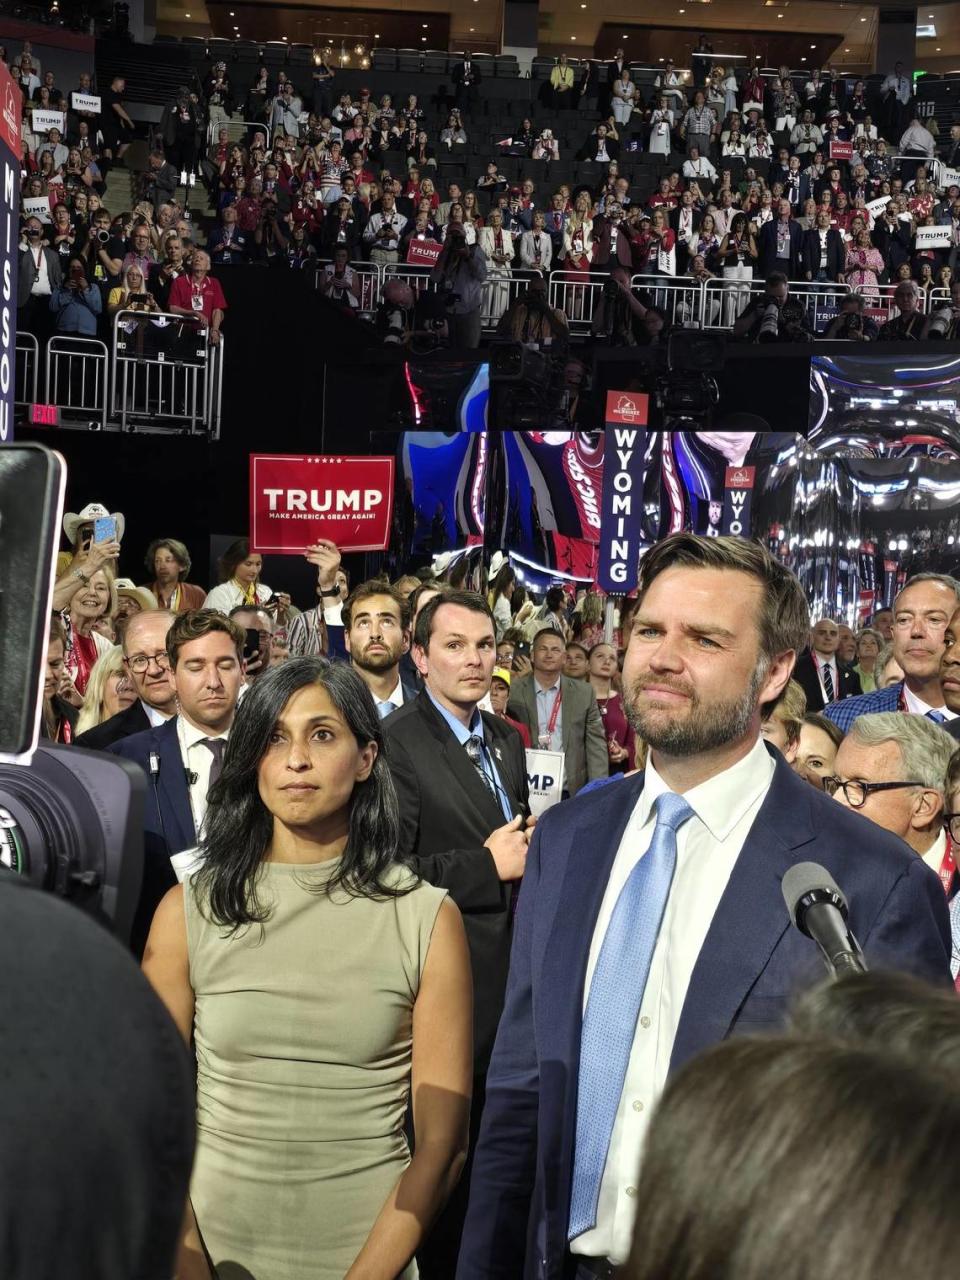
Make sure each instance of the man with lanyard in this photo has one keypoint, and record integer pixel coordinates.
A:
(819, 674)
(200, 295)
(40, 276)
(561, 714)
(921, 613)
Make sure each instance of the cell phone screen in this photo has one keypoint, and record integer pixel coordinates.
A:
(251, 646)
(105, 529)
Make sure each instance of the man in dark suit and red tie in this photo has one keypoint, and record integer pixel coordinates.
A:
(651, 923)
(819, 673)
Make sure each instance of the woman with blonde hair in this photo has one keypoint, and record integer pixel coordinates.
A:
(109, 690)
(132, 295)
(497, 243)
(577, 249)
(94, 600)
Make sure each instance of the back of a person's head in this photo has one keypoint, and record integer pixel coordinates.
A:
(891, 1012)
(96, 1102)
(779, 1157)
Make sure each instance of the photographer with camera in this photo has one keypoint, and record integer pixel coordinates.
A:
(774, 316)
(944, 323)
(384, 230)
(850, 323)
(77, 304)
(40, 275)
(460, 272)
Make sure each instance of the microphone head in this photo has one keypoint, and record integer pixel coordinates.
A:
(808, 882)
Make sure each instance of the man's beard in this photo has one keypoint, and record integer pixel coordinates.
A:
(376, 662)
(705, 727)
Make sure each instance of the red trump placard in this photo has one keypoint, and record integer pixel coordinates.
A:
(296, 499)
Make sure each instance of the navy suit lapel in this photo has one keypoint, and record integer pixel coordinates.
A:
(749, 921)
(172, 784)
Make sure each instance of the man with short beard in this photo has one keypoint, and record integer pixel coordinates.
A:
(651, 921)
(376, 622)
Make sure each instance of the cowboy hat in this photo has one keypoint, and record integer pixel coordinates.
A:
(144, 598)
(497, 561)
(91, 512)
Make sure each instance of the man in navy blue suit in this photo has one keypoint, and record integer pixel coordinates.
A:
(920, 615)
(651, 921)
(183, 757)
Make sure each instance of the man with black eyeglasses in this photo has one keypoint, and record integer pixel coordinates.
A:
(892, 769)
(148, 667)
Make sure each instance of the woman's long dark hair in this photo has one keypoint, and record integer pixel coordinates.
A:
(234, 555)
(239, 826)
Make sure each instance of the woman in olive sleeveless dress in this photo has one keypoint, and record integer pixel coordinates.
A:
(317, 977)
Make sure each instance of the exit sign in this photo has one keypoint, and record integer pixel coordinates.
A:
(44, 415)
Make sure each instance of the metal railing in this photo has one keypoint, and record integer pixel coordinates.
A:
(160, 372)
(77, 377)
(576, 294)
(27, 371)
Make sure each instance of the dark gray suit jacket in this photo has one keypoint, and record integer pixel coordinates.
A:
(28, 273)
(584, 745)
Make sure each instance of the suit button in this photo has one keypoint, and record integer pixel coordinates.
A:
(644, 1022)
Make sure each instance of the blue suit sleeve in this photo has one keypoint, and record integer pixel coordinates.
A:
(504, 1168)
(912, 930)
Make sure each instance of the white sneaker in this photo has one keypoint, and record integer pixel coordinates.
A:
(183, 177)
(193, 179)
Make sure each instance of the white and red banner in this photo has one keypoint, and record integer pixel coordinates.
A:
(10, 148)
(297, 499)
(621, 508)
(840, 150)
(423, 253)
(627, 407)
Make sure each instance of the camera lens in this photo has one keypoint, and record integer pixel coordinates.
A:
(53, 832)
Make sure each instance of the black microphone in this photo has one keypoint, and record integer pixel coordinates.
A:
(818, 908)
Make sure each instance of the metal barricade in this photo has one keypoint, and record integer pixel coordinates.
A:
(724, 300)
(576, 294)
(371, 283)
(680, 298)
(215, 389)
(77, 378)
(27, 370)
(499, 293)
(880, 305)
(418, 278)
(161, 372)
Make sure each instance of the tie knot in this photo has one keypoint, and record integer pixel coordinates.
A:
(473, 747)
(671, 810)
(215, 746)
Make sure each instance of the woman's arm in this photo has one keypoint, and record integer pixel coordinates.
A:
(440, 1091)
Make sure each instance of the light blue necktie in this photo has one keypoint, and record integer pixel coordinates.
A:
(384, 709)
(616, 992)
(937, 717)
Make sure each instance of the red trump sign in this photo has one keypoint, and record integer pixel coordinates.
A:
(296, 499)
(423, 253)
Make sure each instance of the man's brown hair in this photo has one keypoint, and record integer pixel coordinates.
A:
(376, 587)
(196, 623)
(784, 617)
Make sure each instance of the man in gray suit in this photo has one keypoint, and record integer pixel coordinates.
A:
(561, 714)
(40, 276)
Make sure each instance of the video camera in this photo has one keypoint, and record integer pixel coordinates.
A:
(71, 821)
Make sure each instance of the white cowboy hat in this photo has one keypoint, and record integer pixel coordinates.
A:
(497, 561)
(127, 587)
(441, 561)
(92, 511)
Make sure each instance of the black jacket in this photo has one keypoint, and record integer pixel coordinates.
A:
(446, 813)
(123, 725)
(805, 674)
(836, 252)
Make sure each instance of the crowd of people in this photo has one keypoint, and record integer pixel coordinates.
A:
(762, 174)
(433, 1021)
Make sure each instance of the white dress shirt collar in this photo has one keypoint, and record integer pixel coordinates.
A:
(156, 718)
(934, 855)
(722, 800)
(920, 708)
